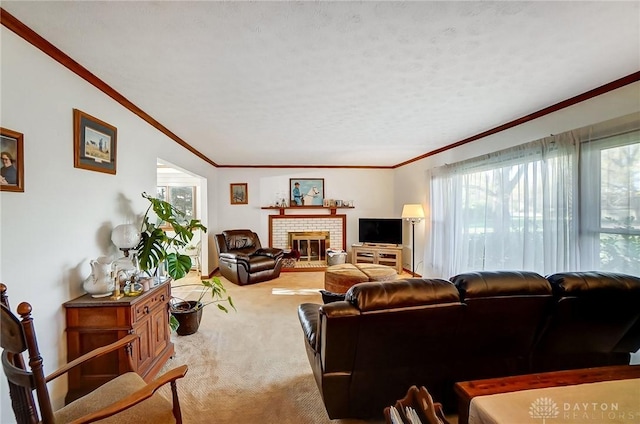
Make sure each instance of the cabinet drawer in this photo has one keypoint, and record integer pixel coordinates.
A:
(157, 299)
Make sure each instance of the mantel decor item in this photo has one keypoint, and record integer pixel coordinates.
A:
(94, 143)
(12, 154)
(306, 191)
(413, 213)
(239, 193)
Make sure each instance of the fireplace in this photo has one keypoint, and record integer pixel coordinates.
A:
(281, 225)
(312, 245)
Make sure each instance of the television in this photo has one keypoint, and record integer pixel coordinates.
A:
(380, 230)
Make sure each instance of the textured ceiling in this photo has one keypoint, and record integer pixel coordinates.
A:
(340, 83)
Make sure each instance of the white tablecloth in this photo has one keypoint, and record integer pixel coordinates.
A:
(604, 402)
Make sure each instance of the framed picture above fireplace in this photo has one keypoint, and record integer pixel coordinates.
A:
(306, 191)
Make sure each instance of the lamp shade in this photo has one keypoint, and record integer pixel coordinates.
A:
(412, 211)
(125, 236)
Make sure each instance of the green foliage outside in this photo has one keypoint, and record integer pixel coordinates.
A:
(620, 252)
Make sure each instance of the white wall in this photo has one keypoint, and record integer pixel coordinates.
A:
(411, 184)
(65, 215)
(370, 189)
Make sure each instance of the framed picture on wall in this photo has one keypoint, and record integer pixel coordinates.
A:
(239, 193)
(94, 143)
(306, 191)
(12, 155)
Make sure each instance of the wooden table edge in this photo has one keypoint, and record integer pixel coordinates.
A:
(467, 390)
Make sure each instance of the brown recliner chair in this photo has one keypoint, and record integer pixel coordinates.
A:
(243, 260)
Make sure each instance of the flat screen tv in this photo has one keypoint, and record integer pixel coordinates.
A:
(380, 230)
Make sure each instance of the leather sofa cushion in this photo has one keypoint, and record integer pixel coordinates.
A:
(373, 296)
(239, 239)
(500, 283)
(594, 282)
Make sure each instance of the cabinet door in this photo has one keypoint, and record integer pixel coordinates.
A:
(143, 349)
(160, 331)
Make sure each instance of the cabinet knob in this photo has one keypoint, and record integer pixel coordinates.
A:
(146, 309)
(162, 298)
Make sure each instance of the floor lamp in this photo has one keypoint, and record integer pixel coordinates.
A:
(413, 213)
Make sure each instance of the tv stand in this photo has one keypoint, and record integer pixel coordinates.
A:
(382, 254)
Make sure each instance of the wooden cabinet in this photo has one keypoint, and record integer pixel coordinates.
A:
(95, 322)
(377, 254)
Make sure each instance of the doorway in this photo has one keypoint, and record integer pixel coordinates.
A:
(187, 191)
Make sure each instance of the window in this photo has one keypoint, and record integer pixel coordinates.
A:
(501, 211)
(564, 203)
(611, 180)
(181, 197)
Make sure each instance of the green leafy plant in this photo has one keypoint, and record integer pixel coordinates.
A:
(157, 247)
(218, 296)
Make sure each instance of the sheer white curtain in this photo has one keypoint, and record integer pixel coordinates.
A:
(511, 209)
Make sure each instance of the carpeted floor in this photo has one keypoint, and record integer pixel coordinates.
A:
(250, 366)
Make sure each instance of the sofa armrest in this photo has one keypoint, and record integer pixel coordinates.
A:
(308, 315)
(234, 257)
(271, 252)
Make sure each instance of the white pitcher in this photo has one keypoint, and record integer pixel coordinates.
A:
(99, 283)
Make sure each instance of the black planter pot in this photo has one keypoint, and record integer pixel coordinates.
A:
(188, 317)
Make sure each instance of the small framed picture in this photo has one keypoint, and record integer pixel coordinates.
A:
(239, 193)
(94, 143)
(306, 191)
(12, 155)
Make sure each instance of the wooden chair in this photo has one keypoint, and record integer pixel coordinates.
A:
(427, 411)
(127, 398)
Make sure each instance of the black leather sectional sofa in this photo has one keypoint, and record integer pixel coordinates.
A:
(366, 351)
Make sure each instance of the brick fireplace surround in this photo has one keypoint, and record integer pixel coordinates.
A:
(281, 225)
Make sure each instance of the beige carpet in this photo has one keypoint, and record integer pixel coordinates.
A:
(250, 366)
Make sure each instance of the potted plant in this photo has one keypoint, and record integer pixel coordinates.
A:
(157, 248)
(186, 314)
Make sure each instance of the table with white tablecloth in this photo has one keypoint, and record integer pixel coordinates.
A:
(602, 402)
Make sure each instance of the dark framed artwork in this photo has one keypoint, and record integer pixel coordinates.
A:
(306, 191)
(12, 157)
(239, 193)
(94, 143)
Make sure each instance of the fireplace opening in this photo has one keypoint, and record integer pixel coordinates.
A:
(312, 245)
